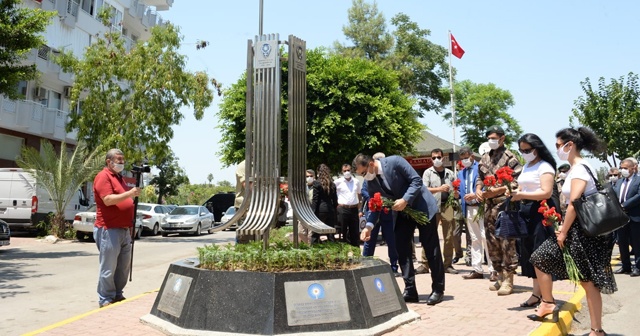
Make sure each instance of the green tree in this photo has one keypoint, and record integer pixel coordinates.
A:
(60, 175)
(226, 186)
(210, 178)
(613, 112)
(170, 177)
(133, 98)
(20, 31)
(420, 63)
(353, 105)
(148, 194)
(480, 106)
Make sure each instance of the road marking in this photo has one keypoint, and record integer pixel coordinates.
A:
(81, 316)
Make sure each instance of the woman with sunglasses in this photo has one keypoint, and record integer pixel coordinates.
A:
(535, 183)
(592, 255)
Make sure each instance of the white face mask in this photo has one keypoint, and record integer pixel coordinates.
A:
(347, 175)
(562, 155)
(118, 167)
(437, 163)
(613, 179)
(494, 143)
(562, 176)
(529, 157)
(370, 176)
(309, 179)
(625, 173)
(467, 163)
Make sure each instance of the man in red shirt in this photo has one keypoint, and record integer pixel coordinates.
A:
(114, 219)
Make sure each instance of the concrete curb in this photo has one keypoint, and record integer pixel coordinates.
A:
(567, 312)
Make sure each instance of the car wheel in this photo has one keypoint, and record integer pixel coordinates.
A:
(138, 233)
(164, 234)
(81, 236)
(198, 230)
(156, 229)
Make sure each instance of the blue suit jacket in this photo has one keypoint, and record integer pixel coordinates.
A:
(404, 182)
(632, 204)
(365, 201)
(464, 175)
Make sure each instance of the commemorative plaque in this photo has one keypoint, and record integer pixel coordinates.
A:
(316, 302)
(173, 298)
(380, 294)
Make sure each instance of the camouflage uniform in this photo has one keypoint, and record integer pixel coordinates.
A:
(501, 251)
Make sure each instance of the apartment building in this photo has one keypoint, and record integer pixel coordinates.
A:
(43, 111)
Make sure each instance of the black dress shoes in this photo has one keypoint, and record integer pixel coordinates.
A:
(622, 270)
(410, 296)
(435, 298)
(635, 272)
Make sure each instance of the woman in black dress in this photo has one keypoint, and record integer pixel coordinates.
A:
(592, 255)
(325, 200)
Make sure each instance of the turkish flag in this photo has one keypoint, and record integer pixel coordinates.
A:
(456, 50)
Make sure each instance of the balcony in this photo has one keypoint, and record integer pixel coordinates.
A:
(36, 119)
(160, 5)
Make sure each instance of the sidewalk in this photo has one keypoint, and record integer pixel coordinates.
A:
(469, 308)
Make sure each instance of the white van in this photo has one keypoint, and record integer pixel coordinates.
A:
(23, 204)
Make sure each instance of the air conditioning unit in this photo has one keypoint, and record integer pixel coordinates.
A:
(67, 91)
(39, 92)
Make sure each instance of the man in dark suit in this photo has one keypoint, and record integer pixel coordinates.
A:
(627, 189)
(394, 178)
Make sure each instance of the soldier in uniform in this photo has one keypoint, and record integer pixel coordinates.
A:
(501, 251)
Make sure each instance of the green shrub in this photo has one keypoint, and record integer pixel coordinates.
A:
(280, 256)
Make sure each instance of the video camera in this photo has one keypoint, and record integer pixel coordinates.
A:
(141, 169)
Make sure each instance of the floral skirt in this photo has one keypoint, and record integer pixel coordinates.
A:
(592, 256)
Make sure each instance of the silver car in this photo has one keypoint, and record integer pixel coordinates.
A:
(188, 219)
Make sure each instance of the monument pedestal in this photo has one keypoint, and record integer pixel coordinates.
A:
(362, 301)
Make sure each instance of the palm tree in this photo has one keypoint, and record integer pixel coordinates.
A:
(61, 176)
(210, 177)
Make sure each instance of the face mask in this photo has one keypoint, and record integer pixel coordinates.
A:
(369, 176)
(118, 167)
(309, 180)
(347, 175)
(624, 173)
(437, 163)
(562, 176)
(613, 179)
(466, 163)
(529, 157)
(562, 155)
(494, 143)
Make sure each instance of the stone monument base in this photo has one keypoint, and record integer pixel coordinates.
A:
(362, 301)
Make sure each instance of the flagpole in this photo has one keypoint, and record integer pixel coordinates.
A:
(453, 110)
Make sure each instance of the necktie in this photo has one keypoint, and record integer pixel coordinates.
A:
(623, 194)
(383, 185)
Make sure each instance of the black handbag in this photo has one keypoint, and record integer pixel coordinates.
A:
(601, 212)
(510, 224)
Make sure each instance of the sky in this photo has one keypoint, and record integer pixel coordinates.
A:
(539, 51)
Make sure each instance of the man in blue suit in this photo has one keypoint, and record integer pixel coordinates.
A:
(394, 178)
(628, 190)
(470, 206)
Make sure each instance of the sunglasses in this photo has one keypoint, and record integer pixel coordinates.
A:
(525, 151)
(436, 157)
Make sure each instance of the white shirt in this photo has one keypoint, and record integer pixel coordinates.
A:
(529, 178)
(348, 191)
(578, 171)
(624, 185)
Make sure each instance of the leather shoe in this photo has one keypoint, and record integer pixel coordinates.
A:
(473, 275)
(451, 270)
(622, 270)
(435, 298)
(635, 272)
(455, 260)
(410, 296)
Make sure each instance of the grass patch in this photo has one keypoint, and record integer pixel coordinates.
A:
(280, 256)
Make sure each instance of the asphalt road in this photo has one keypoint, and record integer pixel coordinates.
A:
(43, 283)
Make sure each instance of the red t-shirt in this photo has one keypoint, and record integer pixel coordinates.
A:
(114, 216)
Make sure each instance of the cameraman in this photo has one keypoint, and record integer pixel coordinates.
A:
(115, 211)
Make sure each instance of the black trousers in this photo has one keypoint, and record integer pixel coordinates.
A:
(348, 221)
(629, 235)
(405, 228)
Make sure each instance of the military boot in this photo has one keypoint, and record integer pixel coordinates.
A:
(507, 283)
(496, 285)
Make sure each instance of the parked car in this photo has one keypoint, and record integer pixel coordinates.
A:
(152, 216)
(188, 218)
(227, 215)
(170, 207)
(83, 224)
(5, 233)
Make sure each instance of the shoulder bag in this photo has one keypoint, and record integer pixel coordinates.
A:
(510, 223)
(600, 213)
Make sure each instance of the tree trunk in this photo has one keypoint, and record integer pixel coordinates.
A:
(58, 225)
(160, 194)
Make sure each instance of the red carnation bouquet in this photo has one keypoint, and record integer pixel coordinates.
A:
(553, 218)
(451, 200)
(378, 203)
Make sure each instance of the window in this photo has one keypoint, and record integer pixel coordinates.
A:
(21, 89)
(43, 52)
(11, 146)
(55, 100)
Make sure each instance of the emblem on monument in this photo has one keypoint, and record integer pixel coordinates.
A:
(266, 49)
